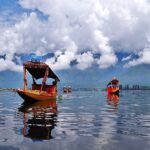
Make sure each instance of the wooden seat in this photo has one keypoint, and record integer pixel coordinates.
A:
(47, 88)
(36, 86)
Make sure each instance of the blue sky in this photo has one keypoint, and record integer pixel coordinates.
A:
(76, 36)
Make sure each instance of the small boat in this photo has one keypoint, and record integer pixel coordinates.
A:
(67, 89)
(113, 86)
(38, 92)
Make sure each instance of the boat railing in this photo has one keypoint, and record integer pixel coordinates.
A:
(47, 88)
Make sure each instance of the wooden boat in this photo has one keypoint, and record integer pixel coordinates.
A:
(113, 90)
(42, 91)
(67, 89)
(113, 86)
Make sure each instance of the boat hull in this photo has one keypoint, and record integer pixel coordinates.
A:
(113, 90)
(36, 95)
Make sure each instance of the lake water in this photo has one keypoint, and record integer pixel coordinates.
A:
(81, 120)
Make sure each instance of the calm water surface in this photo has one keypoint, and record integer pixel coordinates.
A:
(81, 120)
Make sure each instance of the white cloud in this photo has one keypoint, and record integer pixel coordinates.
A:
(144, 58)
(9, 65)
(62, 61)
(107, 60)
(126, 58)
(74, 27)
(85, 60)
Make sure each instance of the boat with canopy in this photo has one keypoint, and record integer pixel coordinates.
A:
(42, 91)
(113, 86)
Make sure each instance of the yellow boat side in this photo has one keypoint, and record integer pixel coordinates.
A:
(36, 95)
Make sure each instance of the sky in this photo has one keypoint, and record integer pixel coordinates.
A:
(77, 34)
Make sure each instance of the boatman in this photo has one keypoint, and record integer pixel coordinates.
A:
(113, 82)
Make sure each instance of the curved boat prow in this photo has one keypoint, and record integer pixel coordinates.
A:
(35, 95)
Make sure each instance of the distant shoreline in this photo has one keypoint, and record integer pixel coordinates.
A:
(7, 89)
(86, 89)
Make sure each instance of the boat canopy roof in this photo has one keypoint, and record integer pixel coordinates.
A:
(38, 69)
(114, 82)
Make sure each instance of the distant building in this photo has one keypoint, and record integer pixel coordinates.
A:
(127, 87)
(120, 87)
(134, 87)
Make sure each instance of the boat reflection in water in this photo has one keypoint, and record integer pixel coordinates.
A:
(40, 118)
(113, 99)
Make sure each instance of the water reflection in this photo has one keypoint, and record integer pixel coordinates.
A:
(90, 119)
(113, 100)
(40, 118)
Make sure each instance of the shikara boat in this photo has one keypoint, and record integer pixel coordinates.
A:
(67, 89)
(38, 92)
(113, 86)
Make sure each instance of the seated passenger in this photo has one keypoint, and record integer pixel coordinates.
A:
(54, 82)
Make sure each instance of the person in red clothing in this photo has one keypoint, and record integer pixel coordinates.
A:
(54, 82)
(113, 82)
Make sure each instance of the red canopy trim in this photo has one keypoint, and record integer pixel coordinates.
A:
(38, 69)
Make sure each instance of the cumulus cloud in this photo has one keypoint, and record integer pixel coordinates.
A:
(85, 60)
(9, 65)
(126, 58)
(61, 61)
(74, 30)
(144, 58)
(106, 60)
